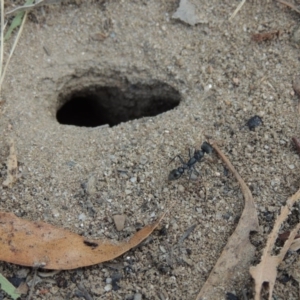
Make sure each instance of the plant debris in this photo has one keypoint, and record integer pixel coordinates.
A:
(17, 21)
(38, 244)
(265, 36)
(8, 288)
(289, 5)
(12, 166)
(238, 253)
(296, 143)
(266, 271)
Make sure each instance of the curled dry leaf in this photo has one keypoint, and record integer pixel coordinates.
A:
(12, 166)
(266, 270)
(38, 244)
(238, 253)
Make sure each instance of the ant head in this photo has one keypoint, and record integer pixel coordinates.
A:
(175, 174)
(207, 148)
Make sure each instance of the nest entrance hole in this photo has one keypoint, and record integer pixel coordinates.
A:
(97, 105)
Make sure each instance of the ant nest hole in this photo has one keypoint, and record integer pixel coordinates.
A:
(92, 104)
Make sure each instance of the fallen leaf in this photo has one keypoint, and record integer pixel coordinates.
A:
(38, 244)
(12, 166)
(266, 270)
(237, 255)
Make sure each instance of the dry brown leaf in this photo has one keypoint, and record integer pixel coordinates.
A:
(12, 166)
(266, 270)
(238, 253)
(38, 244)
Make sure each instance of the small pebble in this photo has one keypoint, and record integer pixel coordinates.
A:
(162, 249)
(180, 188)
(108, 287)
(113, 158)
(143, 159)
(119, 221)
(292, 167)
(91, 186)
(137, 296)
(199, 210)
(133, 179)
(194, 176)
(55, 213)
(153, 215)
(82, 217)
(108, 280)
(254, 122)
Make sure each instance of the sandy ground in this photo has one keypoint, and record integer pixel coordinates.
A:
(80, 177)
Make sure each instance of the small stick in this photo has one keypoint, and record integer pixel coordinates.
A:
(2, 39)
(289, 5)
(186, 233)
(32, 284)
(237, 10)
(13, 48)
(242, 183)
(238, 252)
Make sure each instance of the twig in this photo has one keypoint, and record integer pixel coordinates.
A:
(266, 270)
(238, 253)
(289, 5)
(187, 233)
(245, 190)
(237, 10)
(2, 35)
(13, 49)
(32, 284)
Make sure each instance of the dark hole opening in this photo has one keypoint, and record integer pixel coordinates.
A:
(97, 105)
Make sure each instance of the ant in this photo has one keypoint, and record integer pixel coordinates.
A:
(198, 155)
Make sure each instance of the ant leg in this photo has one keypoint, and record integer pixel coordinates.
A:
(194, 171)
(181, 160)
(190, 153)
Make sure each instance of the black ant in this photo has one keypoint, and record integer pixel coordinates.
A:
(198, 155)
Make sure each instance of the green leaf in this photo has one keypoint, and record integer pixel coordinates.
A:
(16, 21)
(8, 288)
